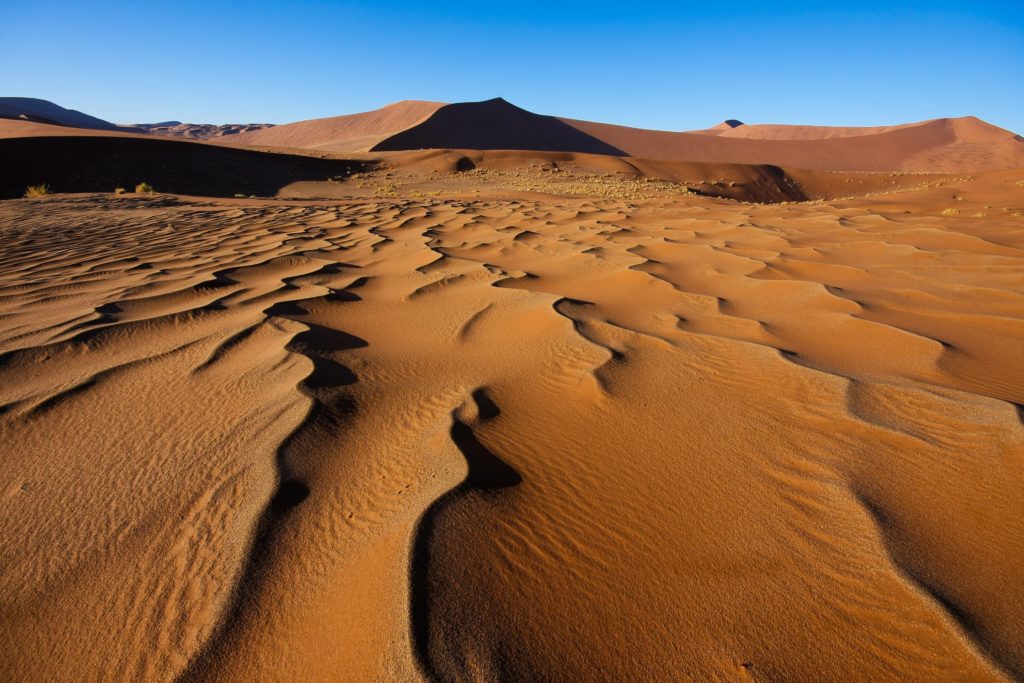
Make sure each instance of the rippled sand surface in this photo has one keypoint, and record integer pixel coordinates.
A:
(463, 438)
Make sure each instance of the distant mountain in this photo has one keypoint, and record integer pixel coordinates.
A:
(44, 111)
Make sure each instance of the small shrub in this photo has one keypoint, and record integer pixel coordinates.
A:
(37, 190)
(144, 188)
(119, 190)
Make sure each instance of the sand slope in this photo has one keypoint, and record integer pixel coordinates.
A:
(354, 132)
(495, 124)
(44, 111)
(75, 160)
(467, 438)
(948, 145)
(939, 146)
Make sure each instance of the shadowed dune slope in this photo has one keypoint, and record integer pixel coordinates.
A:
(495, 124)
(100, 163)
(44, 111)
(85, 160)
(948, 145)
(939, 146)
(354, 132)
(22, 128)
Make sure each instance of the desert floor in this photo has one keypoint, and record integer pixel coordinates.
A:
(456, 433)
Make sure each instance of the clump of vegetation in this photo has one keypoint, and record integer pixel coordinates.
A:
(950, 212)
(144, 188)
(37, 190)
(119, 190)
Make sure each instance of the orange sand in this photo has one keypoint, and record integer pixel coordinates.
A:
(475, 436)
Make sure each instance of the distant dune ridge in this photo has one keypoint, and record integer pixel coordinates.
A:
(946, 145)
(354, 132)
(43, 111)
(195, 131)
(940, 145)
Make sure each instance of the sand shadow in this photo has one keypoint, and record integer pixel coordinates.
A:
(486, 473)
(101, 163)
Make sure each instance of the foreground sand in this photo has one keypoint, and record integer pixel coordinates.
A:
(483, 438)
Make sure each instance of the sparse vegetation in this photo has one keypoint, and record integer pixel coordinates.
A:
(119, 190)
(37, 190)
(950, 212)
(144, 188)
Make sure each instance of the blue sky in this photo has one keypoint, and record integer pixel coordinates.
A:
(671, 65)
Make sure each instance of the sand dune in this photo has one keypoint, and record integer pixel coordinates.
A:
(738, 129)
(495, 124)
(355, 132)
(957, 145)
(939, 146)
(78, 160)
(960, 145)
(480, 425)
(43, 111)
(196, 131)
(84, 160)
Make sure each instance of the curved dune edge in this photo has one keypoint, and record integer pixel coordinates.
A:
(960, 145)
(945, 145)
(411, 438)
(350, 133)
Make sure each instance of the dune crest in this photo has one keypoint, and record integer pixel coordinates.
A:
(351, 133)
(960, 145)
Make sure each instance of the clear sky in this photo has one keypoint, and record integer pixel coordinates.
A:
(668, 65)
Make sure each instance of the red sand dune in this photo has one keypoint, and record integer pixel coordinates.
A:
(354, 132)
(496, 124)
(44, 111)
(939, 146)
